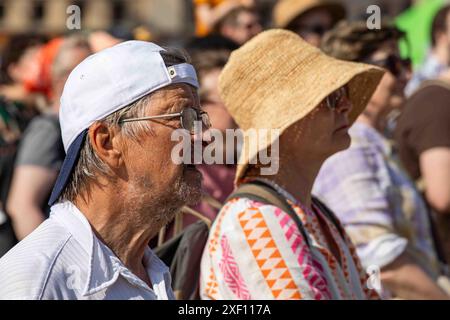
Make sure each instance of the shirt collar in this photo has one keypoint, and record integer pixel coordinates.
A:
(104, 266)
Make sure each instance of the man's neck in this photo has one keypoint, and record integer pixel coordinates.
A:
(118, 226)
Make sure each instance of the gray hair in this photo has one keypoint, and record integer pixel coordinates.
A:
(61, 65)
(89, 164)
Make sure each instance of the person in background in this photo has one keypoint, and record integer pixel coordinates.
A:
(438, 58)
(41, 152)
(99, 40)
(310, 19)
(19, 64)
(259, 250)
(423, 138)
(119, 183)
(366, 187)
(207, 12)
(239, 24)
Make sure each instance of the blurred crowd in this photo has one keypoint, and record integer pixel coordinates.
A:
(390, 189)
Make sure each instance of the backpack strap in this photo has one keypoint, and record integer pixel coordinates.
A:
(330, 215)
(262, 192)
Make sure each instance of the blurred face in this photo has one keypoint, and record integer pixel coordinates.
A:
(27, 67)
(246, 27)
(389, 94)
(213, 105)
(323, 132)
(70, 60)
(149, 167)
(312, 25)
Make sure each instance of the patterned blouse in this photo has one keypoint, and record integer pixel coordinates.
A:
(255, 251)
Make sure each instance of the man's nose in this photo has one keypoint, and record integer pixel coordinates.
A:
(202, 136)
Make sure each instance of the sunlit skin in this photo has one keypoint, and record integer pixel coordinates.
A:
(146, 187)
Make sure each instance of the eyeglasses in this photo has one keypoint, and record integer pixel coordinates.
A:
(333, 99)
(188, 118)
(393, 63)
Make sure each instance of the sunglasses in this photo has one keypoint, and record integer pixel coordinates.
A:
(393, 63)
(333, 100)
(189, 118)
(318, 29)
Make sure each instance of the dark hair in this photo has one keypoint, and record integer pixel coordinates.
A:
(352, 41)
(439, 23)
(211, 42)
(13, 51)
(210, 52)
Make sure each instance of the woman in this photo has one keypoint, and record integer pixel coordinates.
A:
(382, 211)
(258, 250)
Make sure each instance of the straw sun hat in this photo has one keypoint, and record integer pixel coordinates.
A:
(276, 79)
(285, 11)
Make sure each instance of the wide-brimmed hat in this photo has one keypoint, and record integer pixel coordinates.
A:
(276, 79)
(285, 11)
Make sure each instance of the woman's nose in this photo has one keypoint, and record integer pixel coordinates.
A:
(345, 105)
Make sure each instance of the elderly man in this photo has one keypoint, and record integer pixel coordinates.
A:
(118, 184)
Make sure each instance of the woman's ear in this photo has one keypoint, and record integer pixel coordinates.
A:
(103, 139)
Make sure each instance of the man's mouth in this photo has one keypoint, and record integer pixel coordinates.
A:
(190, 167)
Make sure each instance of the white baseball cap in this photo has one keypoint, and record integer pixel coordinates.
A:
(106, 82)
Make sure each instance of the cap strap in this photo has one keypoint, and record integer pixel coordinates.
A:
(183, 73)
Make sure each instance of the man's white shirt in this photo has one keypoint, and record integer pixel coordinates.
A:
(63, 259)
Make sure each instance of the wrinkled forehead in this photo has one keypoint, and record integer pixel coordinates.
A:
(174, 98)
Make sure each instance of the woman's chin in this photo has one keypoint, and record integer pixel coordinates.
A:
(342, 141)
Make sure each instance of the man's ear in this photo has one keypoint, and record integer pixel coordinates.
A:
(104, 141)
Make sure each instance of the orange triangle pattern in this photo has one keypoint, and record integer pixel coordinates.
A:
(267, 256)
(213, 242)
(211, 286)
